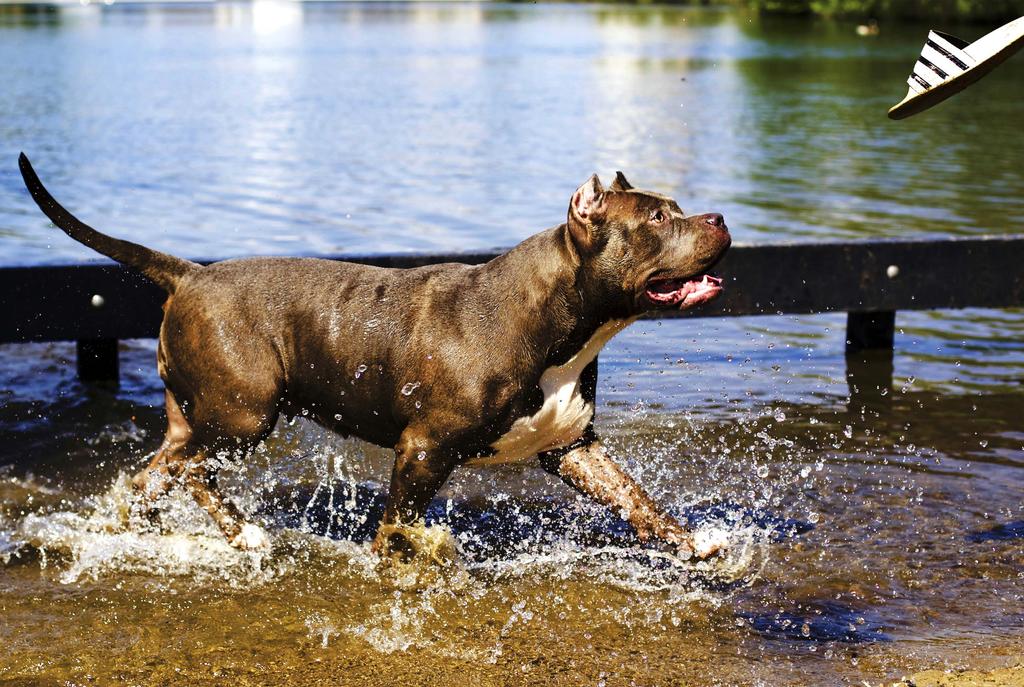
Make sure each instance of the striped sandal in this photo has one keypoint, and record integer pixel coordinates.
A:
(948, 65)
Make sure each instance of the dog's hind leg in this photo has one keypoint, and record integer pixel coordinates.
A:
(201, 482)
(225, 383)
(234, 427)
(214, 424)
(159, 476)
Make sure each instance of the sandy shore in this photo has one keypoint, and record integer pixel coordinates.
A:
(1000, 677)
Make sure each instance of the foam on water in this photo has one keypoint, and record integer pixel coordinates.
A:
(94, 552)
(8, 545)
(104, 538)
(642, 569)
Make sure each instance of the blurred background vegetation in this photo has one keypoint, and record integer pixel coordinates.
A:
(960, 10)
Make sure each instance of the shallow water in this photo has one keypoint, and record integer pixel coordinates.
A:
(873, 535)
(869, 539)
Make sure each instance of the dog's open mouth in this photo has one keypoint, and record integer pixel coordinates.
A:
(686, 293)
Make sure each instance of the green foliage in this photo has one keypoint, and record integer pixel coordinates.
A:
(969, 10)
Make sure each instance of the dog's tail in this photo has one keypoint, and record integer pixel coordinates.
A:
(166, 270)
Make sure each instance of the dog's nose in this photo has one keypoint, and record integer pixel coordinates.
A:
(715, 219)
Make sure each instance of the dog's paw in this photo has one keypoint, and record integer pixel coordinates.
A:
(251, 538)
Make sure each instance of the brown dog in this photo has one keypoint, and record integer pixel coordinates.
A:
(449, 364)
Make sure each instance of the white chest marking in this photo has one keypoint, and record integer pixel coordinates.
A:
(564, 416)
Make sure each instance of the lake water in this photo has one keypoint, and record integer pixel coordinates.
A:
(874, 536)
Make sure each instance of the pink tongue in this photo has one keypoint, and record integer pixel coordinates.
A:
(698, 290)
(685, 289)
(705, 284)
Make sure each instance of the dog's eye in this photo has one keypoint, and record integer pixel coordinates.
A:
(657, 217)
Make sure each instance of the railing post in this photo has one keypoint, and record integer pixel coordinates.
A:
(869, 357)
(97, 360)
(870, 330)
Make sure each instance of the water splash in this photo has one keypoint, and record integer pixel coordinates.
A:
(104, 540)
(517, 548)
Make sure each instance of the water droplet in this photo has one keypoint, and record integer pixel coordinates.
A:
(360, 370)
(813, 518)
(762, 471)
(422, 455)
(805, 630)
(848, 432)
(337, 416)
(780, 416)
(409, 388)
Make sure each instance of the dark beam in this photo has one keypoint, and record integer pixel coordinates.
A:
(870, 330)
(98, 360)
(869, 379)
(869, 359)
(72, 303)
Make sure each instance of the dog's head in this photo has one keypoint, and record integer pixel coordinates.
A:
(639, 250)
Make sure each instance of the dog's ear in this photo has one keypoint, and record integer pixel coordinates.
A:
(620, 183)
(586, 209)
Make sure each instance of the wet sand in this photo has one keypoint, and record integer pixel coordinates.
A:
(1012, 676)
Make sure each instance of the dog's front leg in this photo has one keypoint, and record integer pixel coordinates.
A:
(421, 467)
(590, 470)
